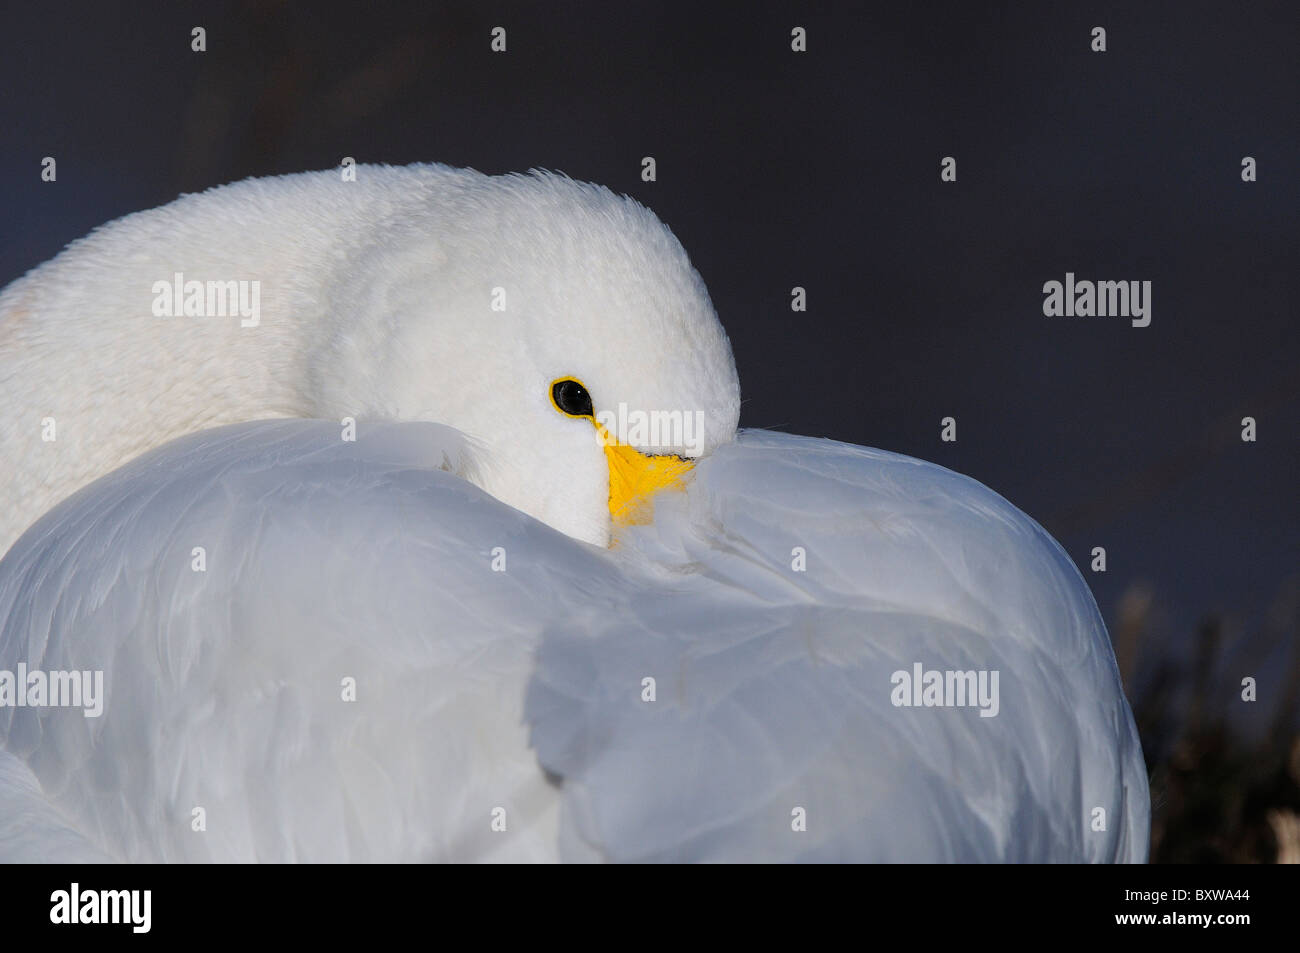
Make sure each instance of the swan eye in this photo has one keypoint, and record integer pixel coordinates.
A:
(571, 398)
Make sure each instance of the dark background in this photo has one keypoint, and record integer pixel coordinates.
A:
(821, 169)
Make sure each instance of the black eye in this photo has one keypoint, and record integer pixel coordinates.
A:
(572, 398)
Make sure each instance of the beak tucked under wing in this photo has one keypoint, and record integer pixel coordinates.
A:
(634, 478)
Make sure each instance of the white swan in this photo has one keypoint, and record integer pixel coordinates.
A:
(323, 649)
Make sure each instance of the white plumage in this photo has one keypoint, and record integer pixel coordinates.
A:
(378, 298)
(500, 666)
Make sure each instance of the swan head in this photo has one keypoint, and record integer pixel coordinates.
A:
(559, 326)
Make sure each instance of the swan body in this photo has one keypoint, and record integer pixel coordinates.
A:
(356, 582)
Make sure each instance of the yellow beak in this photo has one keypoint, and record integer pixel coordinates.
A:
(634, 478)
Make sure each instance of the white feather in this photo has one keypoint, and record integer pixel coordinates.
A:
(486, 697)
(328, 560)
(376, 301)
